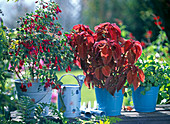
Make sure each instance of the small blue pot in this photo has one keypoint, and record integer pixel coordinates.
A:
(147, 102)
(111, 105)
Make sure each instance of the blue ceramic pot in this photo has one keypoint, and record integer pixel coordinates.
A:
(111, 105)
(147, 102)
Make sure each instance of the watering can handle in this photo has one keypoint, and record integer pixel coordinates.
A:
(79, 78)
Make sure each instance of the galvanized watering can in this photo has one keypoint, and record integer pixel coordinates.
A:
(69, 97)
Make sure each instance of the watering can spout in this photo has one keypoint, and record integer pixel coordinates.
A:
(81, 80)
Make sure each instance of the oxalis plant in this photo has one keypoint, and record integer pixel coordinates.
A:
(157, 73)
(40, 48)
(106, 58)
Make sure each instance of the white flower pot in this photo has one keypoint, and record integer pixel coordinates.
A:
(37, 92)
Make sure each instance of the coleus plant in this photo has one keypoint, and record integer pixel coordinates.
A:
(40, 49)
(106, 58)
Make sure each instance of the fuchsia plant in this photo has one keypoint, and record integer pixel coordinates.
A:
(41, 49)
(106, 58)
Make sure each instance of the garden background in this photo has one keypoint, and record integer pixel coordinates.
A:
(135, 17)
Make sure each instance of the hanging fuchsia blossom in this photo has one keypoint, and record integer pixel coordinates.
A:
(40, 46)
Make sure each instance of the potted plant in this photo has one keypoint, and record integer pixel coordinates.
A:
(107, 61)
(156, 77)
(38, 51)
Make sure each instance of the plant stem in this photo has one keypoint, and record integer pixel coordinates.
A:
(18, 75)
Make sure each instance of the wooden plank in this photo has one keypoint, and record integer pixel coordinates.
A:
(160, 116)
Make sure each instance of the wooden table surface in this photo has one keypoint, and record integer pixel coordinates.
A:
(160, 116)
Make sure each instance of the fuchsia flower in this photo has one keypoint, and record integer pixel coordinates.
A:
(37, 49)
(148, 34)
(156, 17)
(40, 66)
(54, 97)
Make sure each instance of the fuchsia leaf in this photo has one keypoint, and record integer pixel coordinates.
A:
(141, 75)
(106, 70)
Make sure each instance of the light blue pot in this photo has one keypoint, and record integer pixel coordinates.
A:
(111, 105)
(147, 102)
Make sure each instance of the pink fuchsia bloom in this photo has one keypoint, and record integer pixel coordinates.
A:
(54, 97)
(9, 67)
(41, 62)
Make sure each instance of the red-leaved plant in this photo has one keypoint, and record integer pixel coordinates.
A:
(105, 57)
(40, 48)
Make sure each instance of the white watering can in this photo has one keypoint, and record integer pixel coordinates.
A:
(69, 97)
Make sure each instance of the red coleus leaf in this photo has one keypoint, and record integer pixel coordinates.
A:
(123, 90)
(131, 57)
(106, 70)
(46, 16)
(105, 49)
(127, 45)
(121, 82)
(87, 81)
(116, 51)
(98, 73)
(113, 34)
(117, 28)
(130, 77)
(90, 42)
(133, 79)
(136, 82)
(107, 57)
(141, 75)
(112, 90)
(82, 49)
(138, 47)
